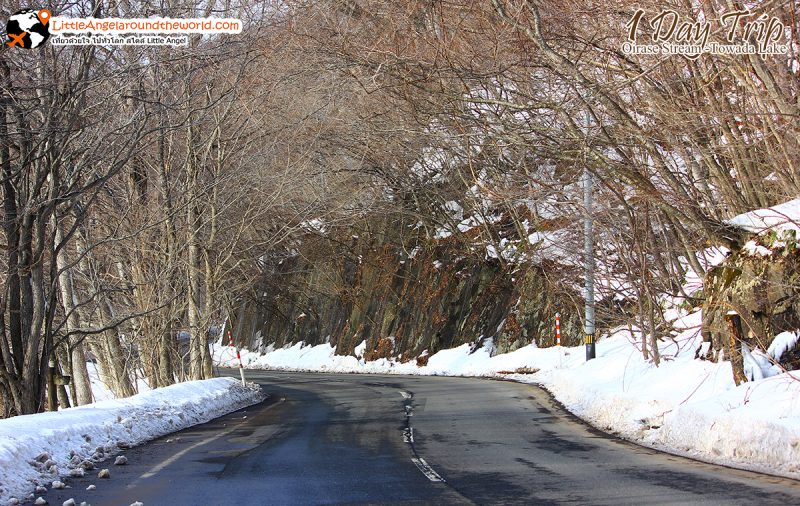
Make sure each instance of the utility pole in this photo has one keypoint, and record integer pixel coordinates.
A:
(588, 254)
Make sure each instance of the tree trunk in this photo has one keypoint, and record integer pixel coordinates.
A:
(166, 371)
(166, 340)
(62, 369)
(115, 356)
(81, 384)
(733, 347)
(198, 340)
(197, 336)
(22, 364)
(108, 349)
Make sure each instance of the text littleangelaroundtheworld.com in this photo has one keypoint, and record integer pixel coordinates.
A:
(135, 25)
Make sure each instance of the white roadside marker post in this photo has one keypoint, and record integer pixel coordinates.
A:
(238, 356)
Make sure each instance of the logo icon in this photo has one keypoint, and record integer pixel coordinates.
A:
(28, 28)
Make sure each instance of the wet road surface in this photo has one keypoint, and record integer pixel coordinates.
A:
(363, 439)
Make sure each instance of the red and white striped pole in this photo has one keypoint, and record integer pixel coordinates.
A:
(238, 355)
(558, 329)
(558, 338)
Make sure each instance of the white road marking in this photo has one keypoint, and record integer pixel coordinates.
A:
(156, 469)
(427, 470)
(408, 437)
(183, 452)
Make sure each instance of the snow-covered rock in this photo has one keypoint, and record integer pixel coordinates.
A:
(785, 216)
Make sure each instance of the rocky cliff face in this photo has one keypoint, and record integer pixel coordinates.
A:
(407, 302)
(760, 284)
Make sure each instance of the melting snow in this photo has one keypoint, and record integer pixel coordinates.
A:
(782, 343)
(753, 248)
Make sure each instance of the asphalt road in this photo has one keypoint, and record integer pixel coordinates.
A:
(350, 439)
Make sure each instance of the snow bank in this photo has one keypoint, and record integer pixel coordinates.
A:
(685, 406)
(31, 445)
(785, 216)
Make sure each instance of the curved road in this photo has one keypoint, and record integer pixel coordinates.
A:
(362, 439)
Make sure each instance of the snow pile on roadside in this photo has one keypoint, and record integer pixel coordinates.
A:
(37, 449)
(785, 216)
(685, 406)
